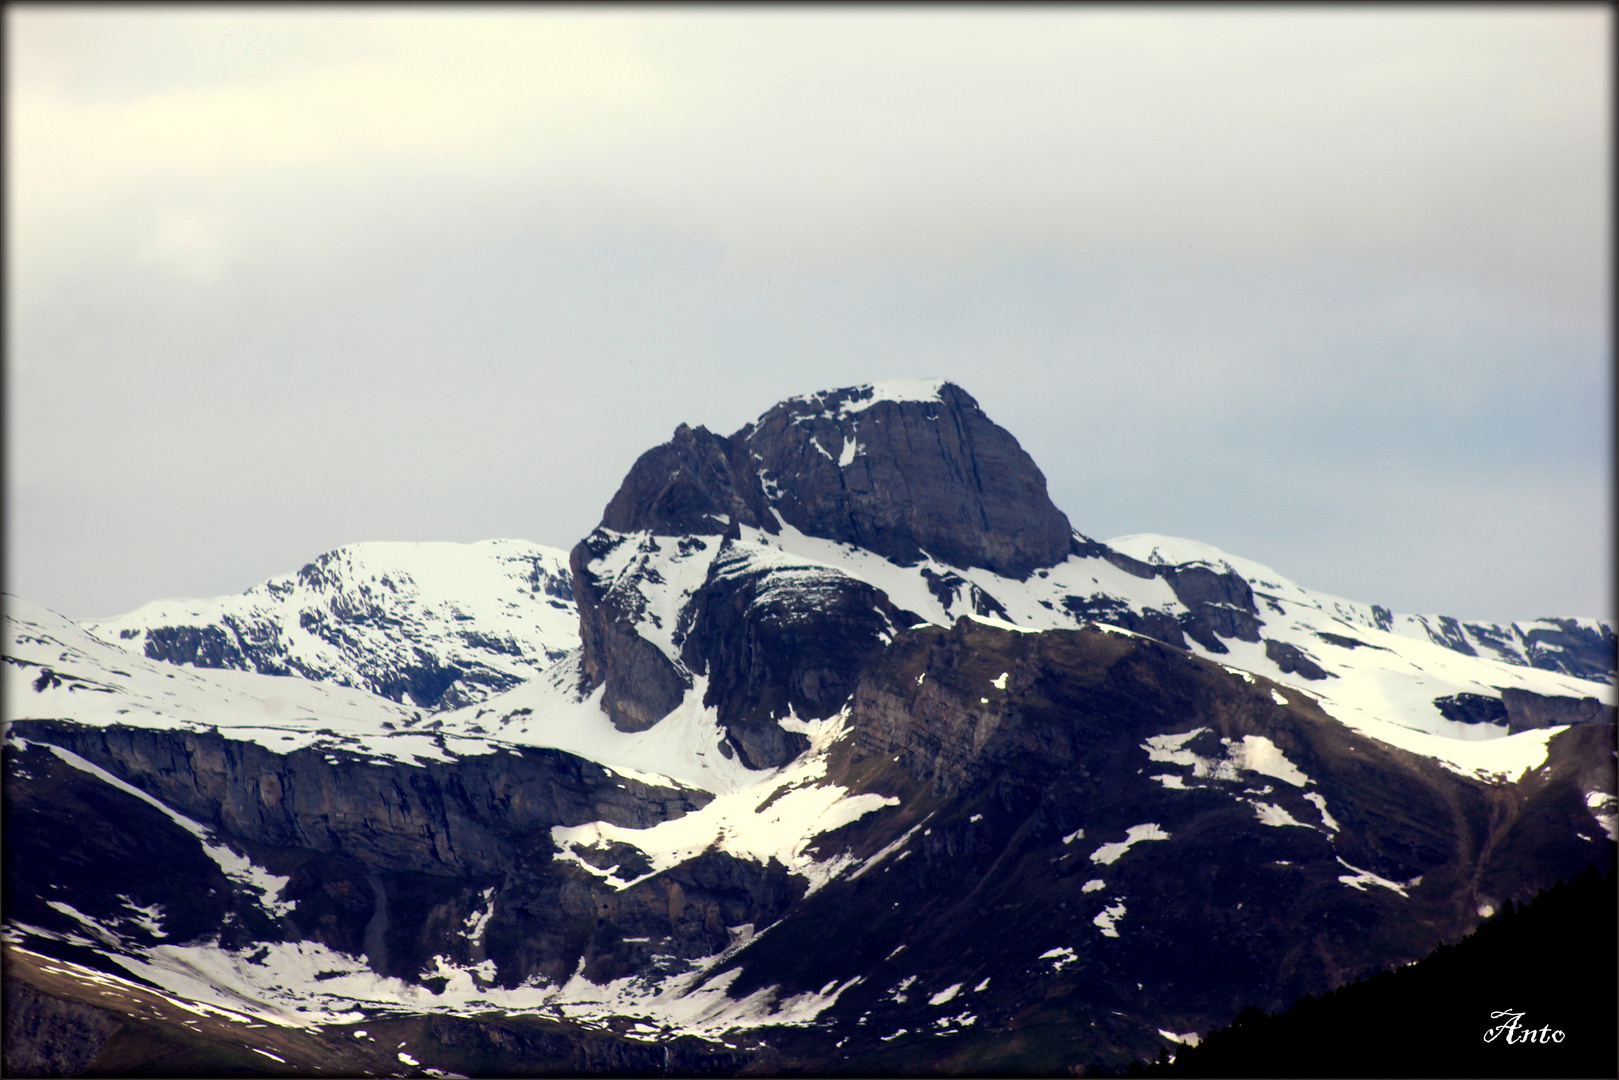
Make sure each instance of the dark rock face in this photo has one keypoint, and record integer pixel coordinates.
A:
(1087, 548)
(642, 684)
(695, 484)
(1291, 658)
(384, 861)
(1347, 642)
(1523, 710)
(1585, 652)
(776, 639)
(1471, 708)
(1220, 604)
(946, 587)
(204, 647)
(485, 814)
(1449, 634)
(935, 476)
(895, 477)
(1526, 710)
(1159, 625)
(46, 1036)
(1565, 645)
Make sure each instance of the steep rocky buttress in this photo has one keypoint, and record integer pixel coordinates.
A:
(908, 474)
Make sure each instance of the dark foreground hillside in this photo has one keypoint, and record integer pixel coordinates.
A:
(1491, 1005)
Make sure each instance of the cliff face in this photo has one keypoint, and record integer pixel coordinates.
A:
(903, 477)
(383, 861)
(776, 639)
(1093, 828)
(924, 474)
(642, 681)
(460, 817)
(695, 484)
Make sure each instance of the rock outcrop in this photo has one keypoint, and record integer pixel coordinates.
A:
(696, 484)
(899, 474)
(777, 639)
(1526, 710)
(903, 477)
(641, 681)
(377, 859)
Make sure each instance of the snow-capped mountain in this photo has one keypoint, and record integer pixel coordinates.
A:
(1580, 647)
(436, 624)
(865, 761)
(976, 536)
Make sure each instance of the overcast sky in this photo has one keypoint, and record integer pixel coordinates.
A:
(1327, 288)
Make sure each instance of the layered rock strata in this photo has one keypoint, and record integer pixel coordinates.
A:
(928, 474)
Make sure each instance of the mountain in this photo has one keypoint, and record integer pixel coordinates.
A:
(438, 625)
(865, 761)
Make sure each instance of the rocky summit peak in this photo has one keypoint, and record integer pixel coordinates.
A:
(904, 468)
(909, 470)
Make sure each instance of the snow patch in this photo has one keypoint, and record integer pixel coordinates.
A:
(1109, 919)
(1321, 805)
(1061, 957)
(1258, 754)
(1168, 747)
(1270, 814)
(778, 817)
(885, 852)
(1255, 753)
(895, 390)
(1136, 834)
(1604, 808)
(1362, 878)
(479, 919)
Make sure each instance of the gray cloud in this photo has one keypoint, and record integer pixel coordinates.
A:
(1326, 288)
